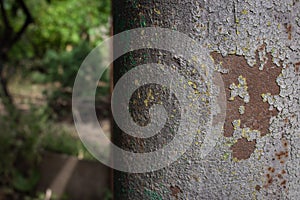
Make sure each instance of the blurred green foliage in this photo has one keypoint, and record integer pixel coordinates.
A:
(62, 69)
(22, 143)
(20, 148)
(56, 43)
(58, 24)
(50, 52)
(61, 141)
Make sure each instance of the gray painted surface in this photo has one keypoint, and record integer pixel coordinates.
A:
(229, 28)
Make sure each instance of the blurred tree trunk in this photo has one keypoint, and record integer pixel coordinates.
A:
(256, 156)
(9, 37)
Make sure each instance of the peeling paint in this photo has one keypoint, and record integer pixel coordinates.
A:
(258, 156)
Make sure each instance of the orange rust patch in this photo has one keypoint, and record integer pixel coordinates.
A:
(257, 114)
(243, 149)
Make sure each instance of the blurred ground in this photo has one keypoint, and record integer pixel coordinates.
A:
(66, 169)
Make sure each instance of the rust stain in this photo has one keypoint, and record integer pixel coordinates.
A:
(175, 191)
(271, 169)
(279, 177)
(283, 182)
(282, 154)
(257, 187)
(289, 31)
(257, 114)
(284, 142)
(297, 67)
(262, 47)
(243, 149)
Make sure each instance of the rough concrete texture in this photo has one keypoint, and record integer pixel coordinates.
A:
(256, 47)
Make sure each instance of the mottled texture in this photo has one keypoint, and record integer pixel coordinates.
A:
(258, 40)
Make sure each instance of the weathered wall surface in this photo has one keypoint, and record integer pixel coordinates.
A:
(255, 46)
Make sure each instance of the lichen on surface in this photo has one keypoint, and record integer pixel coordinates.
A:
(267, 35)
(254, 44)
